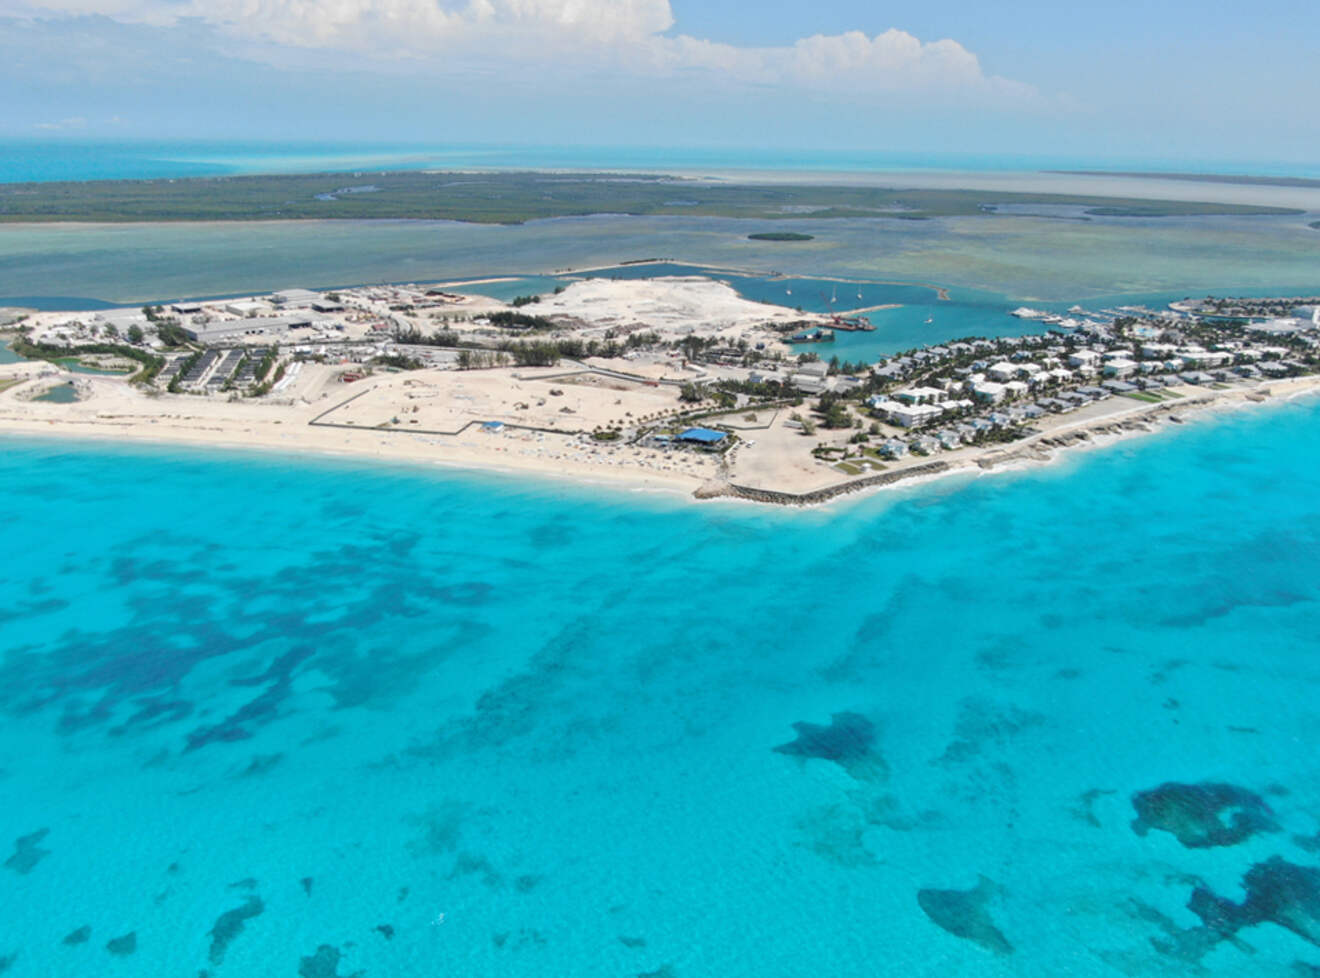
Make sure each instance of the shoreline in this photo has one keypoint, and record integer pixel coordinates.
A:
(1042, 449)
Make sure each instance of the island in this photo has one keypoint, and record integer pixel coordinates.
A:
(780, 236)
(512, 198)
(673, 382)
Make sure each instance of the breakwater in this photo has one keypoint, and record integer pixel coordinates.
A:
(817, 496)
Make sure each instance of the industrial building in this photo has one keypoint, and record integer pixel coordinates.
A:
(227, 330)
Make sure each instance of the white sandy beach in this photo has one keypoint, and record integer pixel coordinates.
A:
(435, 417)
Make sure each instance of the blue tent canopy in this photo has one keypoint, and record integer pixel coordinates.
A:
(703, 436)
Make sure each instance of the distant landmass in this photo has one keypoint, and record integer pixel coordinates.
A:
(516, 197)
(1197, 177)
(780, 236)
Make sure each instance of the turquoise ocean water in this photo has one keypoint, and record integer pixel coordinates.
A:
(73, 159)
(293, 717)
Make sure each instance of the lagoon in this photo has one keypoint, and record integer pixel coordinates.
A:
(1021, 259)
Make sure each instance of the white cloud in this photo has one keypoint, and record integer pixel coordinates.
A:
(74, 122)
(627, 37)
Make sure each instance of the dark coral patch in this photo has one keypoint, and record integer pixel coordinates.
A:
(385, 930)
(1085, 809)
(984, 724)
(261, 709)
(153, 711)
(306, 882)
(7, 961)
(260, 764)
(1202, 816)
(27, 852)
(468, 864)
(467, 593)
(848, 741)
(80, 936)
(122, 946)
(963, 913)
(1277, 892)
(229, 925)
(324, 964)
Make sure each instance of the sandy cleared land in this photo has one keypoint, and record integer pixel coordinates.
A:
(672, 306)
(555, 398)
(113, 409)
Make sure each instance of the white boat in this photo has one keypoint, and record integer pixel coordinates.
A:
(1026, 312)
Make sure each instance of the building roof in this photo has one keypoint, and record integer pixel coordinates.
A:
(704, 436)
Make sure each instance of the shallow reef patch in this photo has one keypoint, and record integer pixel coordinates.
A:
(229, 925)
(324, 963)
(1085, 810)
(1277, 891)
(837, 833)
(469, 593)
(848, 741)
(80, 936)
(1202, 816)
(260, 764)
(28, 852)
(982, 724)
(122, 946)
(441, 826)
(963, 913)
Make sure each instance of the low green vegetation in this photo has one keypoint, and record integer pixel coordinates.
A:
(192, 361)
(512, 198)
(519, 320)
(397, 361)
(261, 390)
(267, 361)
(1146, 396)
(151, 365)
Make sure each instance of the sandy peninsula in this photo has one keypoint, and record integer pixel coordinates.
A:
(675, 384)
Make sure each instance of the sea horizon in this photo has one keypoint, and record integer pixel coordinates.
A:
(45, 158)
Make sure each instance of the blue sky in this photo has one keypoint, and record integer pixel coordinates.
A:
(1123, 79)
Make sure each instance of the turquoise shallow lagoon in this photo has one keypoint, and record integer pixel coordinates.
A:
(306, 717)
